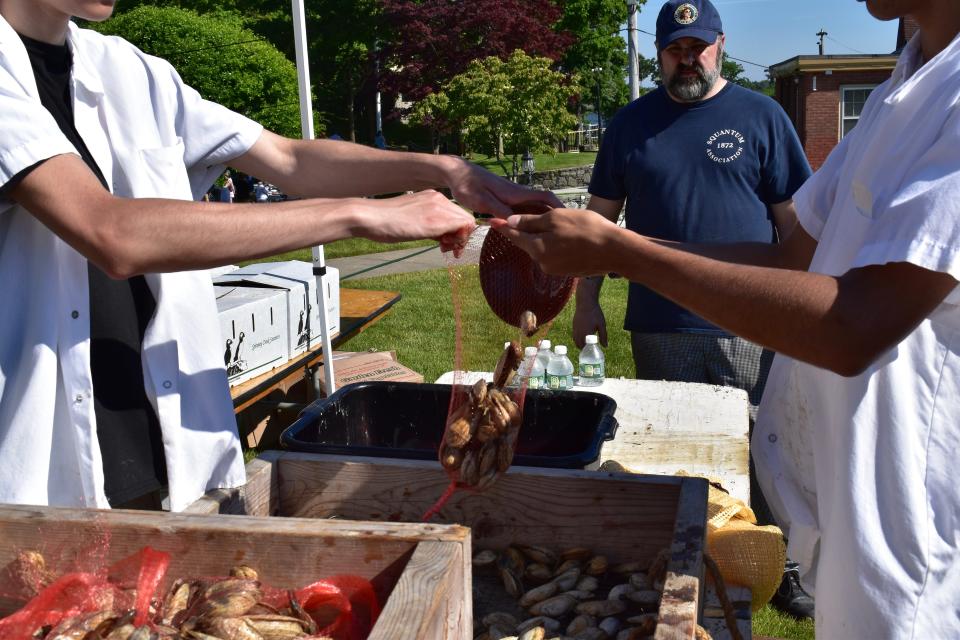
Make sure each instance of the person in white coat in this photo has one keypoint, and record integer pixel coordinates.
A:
(858, 432)
(112, 383)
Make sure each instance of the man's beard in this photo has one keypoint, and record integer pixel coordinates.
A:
(691, 89)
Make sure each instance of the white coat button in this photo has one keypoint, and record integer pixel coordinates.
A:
(772, 437)
(74, 314)
(167, 384)
(78, 399)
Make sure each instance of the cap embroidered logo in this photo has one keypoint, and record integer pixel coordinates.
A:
(686, 14)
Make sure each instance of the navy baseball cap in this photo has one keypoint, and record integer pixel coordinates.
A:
(688, 19)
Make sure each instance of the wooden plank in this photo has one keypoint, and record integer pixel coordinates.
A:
(287, 552)
(682, 589)
(624, 516)
(358, 310)
(258, 497)
(416, 609)
(713, 620)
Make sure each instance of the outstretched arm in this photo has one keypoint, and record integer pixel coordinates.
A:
(336, 169)
(839, 323)
(125, 236)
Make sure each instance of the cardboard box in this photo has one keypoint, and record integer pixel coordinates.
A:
(350, 367)
(253, 328)
(296, 277)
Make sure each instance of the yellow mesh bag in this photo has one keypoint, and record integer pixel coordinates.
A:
(747, 554)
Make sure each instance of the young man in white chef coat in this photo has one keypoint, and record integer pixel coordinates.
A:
(111, 389)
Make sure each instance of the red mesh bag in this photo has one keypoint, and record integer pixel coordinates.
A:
(90, 604)
(520, 302)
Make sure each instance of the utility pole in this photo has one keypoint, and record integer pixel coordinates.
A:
(632, 48)
(599, 72)
(821, 33)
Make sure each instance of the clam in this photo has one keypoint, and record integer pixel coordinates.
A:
(470, 468)
(597, 566)
(536, 633)
(610, 626)
(538, 554)
(484, 558)
(602, 608)
(452, 458)
(580, 624)
(459, 433)
(568, 580)
(538, 594)
(620, 591)
(640, 581)
(528, 323)
(554, 607)
(550, 624)
(588, 583)
(501, 619)
(512, 584)
(537, 572)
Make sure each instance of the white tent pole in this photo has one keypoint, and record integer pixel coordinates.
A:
(306, 127)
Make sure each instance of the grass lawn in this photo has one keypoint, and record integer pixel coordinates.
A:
(421, 329)
(344, 249)
(543, 161)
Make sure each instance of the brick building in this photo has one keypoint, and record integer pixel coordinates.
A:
(824, 94)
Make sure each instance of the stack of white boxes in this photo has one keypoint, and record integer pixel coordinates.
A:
(291, 283)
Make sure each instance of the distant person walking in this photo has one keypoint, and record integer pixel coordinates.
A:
(228, 191)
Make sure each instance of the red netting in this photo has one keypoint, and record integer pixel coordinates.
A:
(127, 595)
(499, 295)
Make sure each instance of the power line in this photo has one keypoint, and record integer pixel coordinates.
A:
(215, 46)
(847, 47)
(756, 64)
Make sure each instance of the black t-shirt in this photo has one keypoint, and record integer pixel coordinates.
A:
(127, 427)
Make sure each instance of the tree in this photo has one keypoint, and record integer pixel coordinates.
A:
(434, 40)
(517, 104)
(219, 58)
(598, 44)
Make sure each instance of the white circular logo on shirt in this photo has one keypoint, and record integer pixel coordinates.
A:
(725, 146)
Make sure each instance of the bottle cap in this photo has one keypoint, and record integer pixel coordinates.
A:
(591, 339)
(530, 351)
(544, 344)
(560, 350)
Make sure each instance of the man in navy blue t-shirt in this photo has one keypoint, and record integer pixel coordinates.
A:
(698, 159)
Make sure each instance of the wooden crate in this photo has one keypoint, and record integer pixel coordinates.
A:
(418, 570)
(623, 516)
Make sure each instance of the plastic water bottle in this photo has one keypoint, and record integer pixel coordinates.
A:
(591, 363)
(531, 371)
(543, 355)
(559, 370)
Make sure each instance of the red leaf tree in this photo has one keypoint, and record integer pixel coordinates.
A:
(434, 40)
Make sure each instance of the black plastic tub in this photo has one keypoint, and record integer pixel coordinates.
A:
(563, 430)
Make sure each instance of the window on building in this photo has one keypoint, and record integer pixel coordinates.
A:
(852, 100)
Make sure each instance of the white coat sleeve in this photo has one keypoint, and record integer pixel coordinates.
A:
(28, 133)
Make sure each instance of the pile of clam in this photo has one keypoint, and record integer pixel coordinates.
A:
(226, 609)
(572, 595)
(481, 433)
